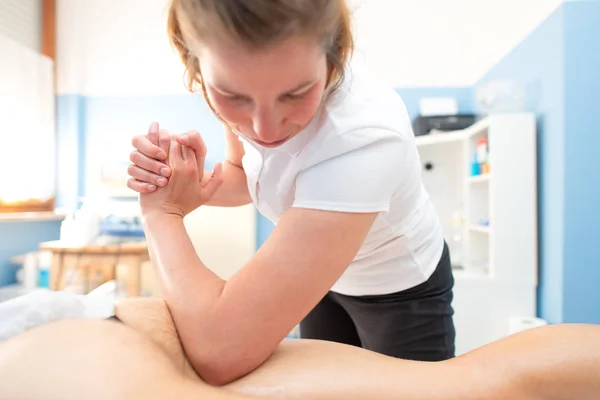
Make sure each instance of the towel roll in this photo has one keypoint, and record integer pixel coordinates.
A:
(45, 306)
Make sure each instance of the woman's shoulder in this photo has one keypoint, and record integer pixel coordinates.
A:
(365, 121)
(363, 103)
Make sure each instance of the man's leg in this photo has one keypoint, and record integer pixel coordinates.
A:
(556, 360)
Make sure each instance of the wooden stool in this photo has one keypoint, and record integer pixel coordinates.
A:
(102, 258)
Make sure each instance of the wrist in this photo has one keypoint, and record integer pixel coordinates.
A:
(161, 216)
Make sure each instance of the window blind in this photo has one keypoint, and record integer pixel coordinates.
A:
(21, 21)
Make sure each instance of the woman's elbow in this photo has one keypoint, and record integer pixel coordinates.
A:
(218, 377)
(220, 369)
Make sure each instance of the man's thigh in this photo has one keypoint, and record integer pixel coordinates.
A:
(91, 359)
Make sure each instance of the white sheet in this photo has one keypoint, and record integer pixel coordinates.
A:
(45, 306)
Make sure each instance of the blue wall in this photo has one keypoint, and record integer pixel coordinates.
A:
(19, 237)
(560, 69)
(537, 63)
(106, 118)
(82, 122)
(582, 163)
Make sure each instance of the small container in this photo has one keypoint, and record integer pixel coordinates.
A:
(30, 271)
(475, 166)
(45, 261)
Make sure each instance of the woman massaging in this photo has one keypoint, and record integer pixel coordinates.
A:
(326, 153)
(357, 256)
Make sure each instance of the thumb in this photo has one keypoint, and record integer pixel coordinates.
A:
(215, 181)
(196, 143)
(164, 141)
(153, 133)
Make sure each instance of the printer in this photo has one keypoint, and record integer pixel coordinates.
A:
(423, 125)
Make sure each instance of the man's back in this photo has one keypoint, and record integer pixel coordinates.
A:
(142, 358)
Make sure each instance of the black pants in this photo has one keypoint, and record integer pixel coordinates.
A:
(414, 324)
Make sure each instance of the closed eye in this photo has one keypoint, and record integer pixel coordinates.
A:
(237, 99)
(294, 96)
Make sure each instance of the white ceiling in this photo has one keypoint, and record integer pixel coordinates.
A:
(115, 47)
(442, 42)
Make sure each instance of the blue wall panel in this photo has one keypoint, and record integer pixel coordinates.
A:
(537, 63)
(582, 163)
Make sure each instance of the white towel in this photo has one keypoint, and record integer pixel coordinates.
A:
(46, 306)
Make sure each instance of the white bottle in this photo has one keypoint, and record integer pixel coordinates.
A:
(66, 229)
(30, 272)
(44, 266)
(87, 224)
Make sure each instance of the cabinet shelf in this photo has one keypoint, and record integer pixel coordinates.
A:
(476, 129)
(479, 228)
(439, 138)
(479, 178)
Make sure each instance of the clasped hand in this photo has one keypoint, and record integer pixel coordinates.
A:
(168, 172)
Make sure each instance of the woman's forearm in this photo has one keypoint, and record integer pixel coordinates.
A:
(234, 190)
(190, 289)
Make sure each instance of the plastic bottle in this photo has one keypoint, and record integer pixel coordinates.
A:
(30, 272)
(45, 262)
(475, 165)
(87, 224)
(66, 229)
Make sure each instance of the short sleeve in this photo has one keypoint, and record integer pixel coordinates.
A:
(362, 176)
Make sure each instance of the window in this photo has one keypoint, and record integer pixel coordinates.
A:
(27, 129)
(21, 21)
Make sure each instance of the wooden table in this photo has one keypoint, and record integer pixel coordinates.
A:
(109, 256)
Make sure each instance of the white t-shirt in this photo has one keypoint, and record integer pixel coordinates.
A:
(357, 155)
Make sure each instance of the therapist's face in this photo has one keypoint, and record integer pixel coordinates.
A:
(267, 95)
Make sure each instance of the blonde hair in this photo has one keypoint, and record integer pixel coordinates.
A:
(259, 23)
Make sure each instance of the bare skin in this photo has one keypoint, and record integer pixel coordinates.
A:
(143, 359)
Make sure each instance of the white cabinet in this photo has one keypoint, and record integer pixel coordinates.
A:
(489, 220)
